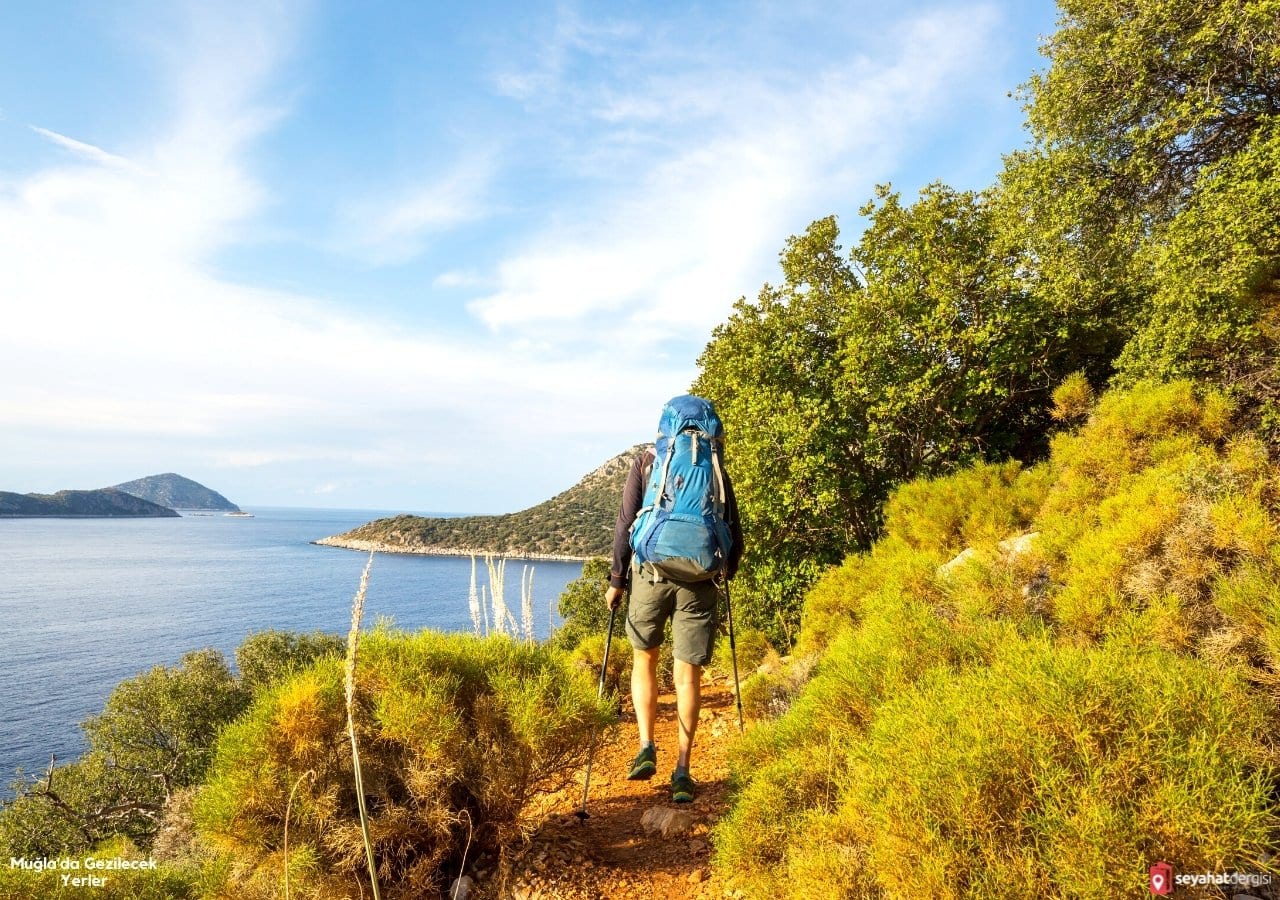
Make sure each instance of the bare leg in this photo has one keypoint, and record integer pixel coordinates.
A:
(644, 691)
(688, 706)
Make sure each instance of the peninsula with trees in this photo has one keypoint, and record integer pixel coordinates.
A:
(574, 524)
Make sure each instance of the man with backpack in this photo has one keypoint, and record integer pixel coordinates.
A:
(676, 536)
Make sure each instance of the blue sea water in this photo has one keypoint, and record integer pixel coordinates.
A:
(87, 603)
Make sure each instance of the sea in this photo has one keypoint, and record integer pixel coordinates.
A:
(87, 603)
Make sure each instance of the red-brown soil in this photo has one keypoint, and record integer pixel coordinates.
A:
(609, 856)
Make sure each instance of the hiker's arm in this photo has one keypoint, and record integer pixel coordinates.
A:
(632, 497)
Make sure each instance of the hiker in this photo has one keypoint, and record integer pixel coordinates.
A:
(676, 537)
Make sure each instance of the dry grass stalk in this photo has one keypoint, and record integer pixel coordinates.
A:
(288, 808)
(473, 598)
(502, 618)
(353, 643)
(526, 601)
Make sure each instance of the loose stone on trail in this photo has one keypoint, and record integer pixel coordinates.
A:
(668, 822)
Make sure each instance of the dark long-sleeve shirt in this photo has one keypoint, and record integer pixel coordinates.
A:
(633, 499)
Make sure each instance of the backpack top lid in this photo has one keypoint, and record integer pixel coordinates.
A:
(687, 411)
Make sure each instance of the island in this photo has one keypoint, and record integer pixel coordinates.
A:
(101, 503)
(573, 525)
(177, 492)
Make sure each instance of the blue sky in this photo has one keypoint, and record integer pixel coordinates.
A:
(433, 256)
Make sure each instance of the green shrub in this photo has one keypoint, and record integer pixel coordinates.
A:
(588, 656)
(1055, 771)
(582, 605)
(458, 735)
(153, 737)
(268, 656)
(978, 505)
(753, 651)
(1063, 772)
(1089, 689)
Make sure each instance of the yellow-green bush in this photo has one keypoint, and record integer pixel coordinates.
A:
(1060, 771)
(457, 735)
(753, 650)
(1089, 688)
(979, 505)
(588, 656)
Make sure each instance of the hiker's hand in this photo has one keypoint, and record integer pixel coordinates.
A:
(613, 597)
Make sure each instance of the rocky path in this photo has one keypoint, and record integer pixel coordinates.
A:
(621, 852)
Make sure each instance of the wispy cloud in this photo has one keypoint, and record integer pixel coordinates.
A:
(717, 160)
(667, 177)
(393, 225)
(86, 151)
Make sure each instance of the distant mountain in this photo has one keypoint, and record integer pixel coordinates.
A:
(575, 524)
(106, 502)
(176, 492)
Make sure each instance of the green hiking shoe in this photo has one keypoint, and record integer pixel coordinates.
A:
(682, 787)
(644, 765)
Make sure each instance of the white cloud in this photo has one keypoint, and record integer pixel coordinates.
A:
(393, 226)
(88, 151)
(717, 162)
(120, 341)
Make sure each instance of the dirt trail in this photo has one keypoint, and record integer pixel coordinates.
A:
(610, 856)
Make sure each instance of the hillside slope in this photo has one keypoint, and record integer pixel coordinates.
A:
(574, 524)
(176, 492)
(106, 502)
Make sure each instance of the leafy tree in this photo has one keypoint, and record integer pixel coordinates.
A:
(944, 350)
(269, 656)
(835, 389)
(154, 735)
(582, 604)
(1214, 311)
(1147, 183)
(793, 442)
(1152, 91)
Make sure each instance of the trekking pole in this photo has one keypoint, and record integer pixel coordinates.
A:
(733, 651)
(604, 666)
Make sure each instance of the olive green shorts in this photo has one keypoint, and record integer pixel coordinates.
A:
(690, 605)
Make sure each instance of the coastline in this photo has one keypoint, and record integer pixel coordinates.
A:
(431, 550)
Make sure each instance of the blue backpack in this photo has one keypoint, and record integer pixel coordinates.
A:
(681, 529)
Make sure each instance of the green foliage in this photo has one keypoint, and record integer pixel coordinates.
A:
(946, 355)
(753, 647)
(457, 734)
(1087, 687)
(773, 371)
(582, 604)
(163, 722)
(1061, 771)
(268, 656)
(834, 392)
(1155, 91)
(1214, 309)
(1145, 211)
(1073, 399)
(981, 504)
(154, 736)
(588, 655)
